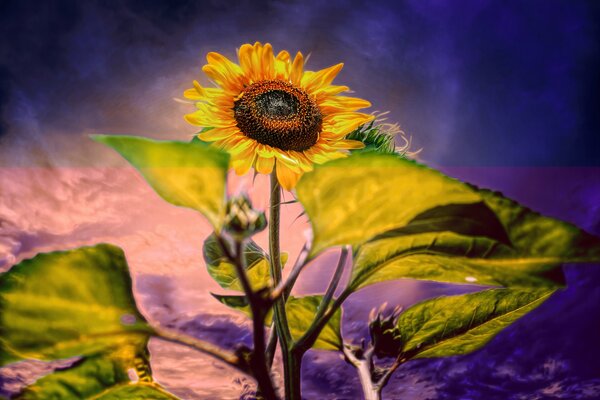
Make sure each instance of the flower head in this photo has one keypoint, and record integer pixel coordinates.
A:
(269, 113)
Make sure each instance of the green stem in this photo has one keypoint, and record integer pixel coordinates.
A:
(258, 362)
(333, 284)
(291, 364)
(205, 347)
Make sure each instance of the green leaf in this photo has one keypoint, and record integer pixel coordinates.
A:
(66, 304)
(190, 175)
(454, 325)
(223, 271)
(300, 312)
(351, 200)
(496, 242)
(95, 377)
(76, 303)
(85, 378)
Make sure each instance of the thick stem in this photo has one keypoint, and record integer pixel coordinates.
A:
(291, 364)
(258, 362)
(364, 366)
(370, 390)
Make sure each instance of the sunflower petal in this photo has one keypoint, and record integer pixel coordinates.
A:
(264, 165)
(243, 164)
(265, 151)
(286, 177)
(199, 93)
(268, 62)
(283, 55)
(322, 78)
(330, 90)
(202, 118)
(340, 125)
(297, 69)
(245, 57)
(282, 66)
(342, 103)
(215, 134)
(224, 72)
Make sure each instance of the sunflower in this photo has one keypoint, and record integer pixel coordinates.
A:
(269, 113)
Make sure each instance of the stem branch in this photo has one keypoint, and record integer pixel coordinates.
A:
(205, 347)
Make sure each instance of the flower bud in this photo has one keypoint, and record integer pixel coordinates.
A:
(241, 220)
(384, 338)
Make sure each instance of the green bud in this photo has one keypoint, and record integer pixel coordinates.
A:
(241, 220)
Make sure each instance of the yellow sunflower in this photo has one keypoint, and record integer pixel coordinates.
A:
(269, 113)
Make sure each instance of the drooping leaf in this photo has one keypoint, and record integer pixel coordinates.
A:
(300, 312)
(496, 242)
(96, 377)
(189, 174)
(69, 303)
(351, 200)
(454, 325)
(224, 272)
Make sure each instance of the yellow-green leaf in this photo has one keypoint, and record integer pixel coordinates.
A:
(496, 242)
(70, 303)
(454, 325)
(351, 200)
(300, 312)
(100, 376)
(190, 175)
(224, 272)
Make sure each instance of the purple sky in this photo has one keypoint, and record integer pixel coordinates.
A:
(503, 94)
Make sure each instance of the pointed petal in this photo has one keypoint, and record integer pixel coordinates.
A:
(335, 104)
(297, 69)
(322, 78)
(286, 177)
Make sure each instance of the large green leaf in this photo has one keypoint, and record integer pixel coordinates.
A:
(85, 378)
(102, 376)
(454, 325)
(70, 303)
(495, 242)
(190, 175)
(351, 200)
(300, 312)
(76, 303)
(224, 272)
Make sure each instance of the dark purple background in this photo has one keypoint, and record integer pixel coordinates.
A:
(512, 85)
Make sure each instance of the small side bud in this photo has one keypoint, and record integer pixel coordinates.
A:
(241, 220)
(382, 329)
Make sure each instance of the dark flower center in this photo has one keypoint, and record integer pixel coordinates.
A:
(278, 114)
